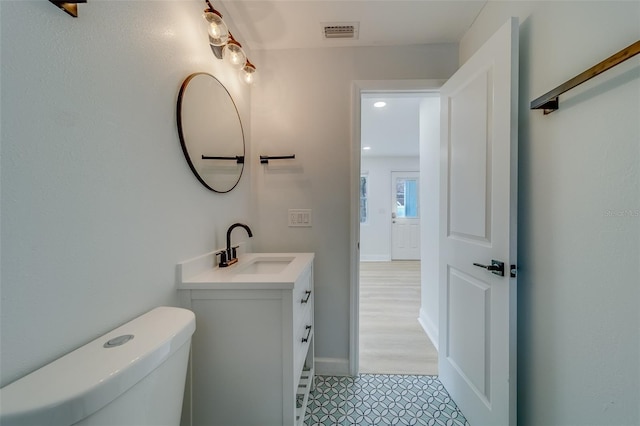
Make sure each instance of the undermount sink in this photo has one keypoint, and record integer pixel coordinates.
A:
(265, 265)
(251, 271)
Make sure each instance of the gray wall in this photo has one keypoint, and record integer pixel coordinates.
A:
(98, 203)
(579, 213)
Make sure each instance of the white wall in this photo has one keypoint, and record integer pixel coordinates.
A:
(303, 106)
(579, 213)
(375, 235)
(98, 203)
(430, 212)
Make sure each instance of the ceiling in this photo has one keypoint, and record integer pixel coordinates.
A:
(298, 24)
(291, 24)
(391, 130)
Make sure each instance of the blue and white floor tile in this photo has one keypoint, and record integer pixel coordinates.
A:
(374, 399)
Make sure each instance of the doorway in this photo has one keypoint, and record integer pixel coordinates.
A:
(478, 147)
(389, 177)
(391, 339)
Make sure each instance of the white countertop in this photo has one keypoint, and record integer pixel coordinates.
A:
(202, 273)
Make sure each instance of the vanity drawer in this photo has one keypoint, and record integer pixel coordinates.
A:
(302, 296)
(302, 339)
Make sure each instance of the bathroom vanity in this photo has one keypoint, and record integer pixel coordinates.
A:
(252, 359)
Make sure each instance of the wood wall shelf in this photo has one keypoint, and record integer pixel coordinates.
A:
(549, 101)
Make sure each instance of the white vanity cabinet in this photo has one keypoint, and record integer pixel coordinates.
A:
(252, 358)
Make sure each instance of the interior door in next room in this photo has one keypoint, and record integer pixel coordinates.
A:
(405, 216)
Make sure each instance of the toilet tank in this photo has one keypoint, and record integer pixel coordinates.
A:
(133, 375)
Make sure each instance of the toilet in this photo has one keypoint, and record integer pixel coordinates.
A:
(133, 375)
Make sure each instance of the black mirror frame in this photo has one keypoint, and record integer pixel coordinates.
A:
(182, 138)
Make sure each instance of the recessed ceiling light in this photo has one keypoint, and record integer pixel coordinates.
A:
(366, 148)
(379, 104)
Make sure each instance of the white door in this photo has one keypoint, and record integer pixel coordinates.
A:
(477, 325)
(405, 216)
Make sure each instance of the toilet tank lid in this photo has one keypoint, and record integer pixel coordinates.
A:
(85, 380)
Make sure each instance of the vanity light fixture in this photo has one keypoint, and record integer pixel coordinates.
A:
(227, 48)
(71, 7)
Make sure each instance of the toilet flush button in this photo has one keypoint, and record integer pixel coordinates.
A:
(118, 341)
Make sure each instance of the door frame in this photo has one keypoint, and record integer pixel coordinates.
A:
(358, 87)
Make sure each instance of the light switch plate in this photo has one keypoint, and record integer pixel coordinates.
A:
(299, 217)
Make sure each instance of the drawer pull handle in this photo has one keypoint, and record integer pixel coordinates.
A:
(308, 295)
(306, 339)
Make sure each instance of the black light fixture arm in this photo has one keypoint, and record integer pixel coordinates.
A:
(213, 9)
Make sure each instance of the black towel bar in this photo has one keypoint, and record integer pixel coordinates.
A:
(264, 159)
(238, 158)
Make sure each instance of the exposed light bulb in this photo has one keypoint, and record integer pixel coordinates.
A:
(248, 74)
(218, 31)
(233, 54)
(225, 47)
(379, 104)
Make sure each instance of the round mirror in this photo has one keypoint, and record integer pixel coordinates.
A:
(210, 132)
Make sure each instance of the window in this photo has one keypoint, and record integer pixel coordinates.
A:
(407, 197)
(364, 204)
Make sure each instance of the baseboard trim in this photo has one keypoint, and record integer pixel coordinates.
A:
(332, 366)
(429, 327)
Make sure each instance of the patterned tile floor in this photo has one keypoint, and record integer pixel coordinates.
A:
(375, 399)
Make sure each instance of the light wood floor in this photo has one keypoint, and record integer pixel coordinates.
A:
(391, 339)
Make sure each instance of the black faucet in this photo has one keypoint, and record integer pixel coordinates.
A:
(229, 256)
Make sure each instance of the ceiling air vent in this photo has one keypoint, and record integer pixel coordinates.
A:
(340, 30)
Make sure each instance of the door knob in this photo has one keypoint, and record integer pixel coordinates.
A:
(496, 267)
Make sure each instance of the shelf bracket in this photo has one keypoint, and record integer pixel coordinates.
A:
(71, 7)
